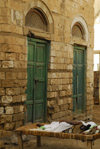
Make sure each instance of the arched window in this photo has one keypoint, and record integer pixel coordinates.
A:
(36, 19)
(77, 31)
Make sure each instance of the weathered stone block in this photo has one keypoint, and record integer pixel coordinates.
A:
(69, 92)
(18, 109)
(60, 101)
(22, 90)
(3, 3)
(23, 98)
(51, 103)
(52, 94)
(70, 107)
(62, 93)
(65, 100)
(12, 39)
(69, 100)
(64, 107)
(5, 20)
(6, 99)
(21, 108)
(13, 91)
(56, 109)
(1, 110)
(11, 56)
(11, 28)
(2, 75)
(0, 64)
(2, 119)
(5, 118)
(20, 64)
(7, 64)
(9, 110)
(17, 99)
(17, 17)
(18, 117)
(4, 11)
(2, 91)
(8, 118)
(55, 115)
(9, 126)
(2, 56)
(19, 124)
(50, 110)
(11, 75)
(22, 75)
(14, 83)
(2, 144)
(4, 133)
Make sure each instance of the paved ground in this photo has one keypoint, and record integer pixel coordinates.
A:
(53, 143)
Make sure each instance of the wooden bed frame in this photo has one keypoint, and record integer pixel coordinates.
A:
(27, 130)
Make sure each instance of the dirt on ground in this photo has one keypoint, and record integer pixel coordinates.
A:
(54, 143)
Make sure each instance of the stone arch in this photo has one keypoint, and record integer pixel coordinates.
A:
(41, 6)
(78, 31)
(40, 20)
(80, 20)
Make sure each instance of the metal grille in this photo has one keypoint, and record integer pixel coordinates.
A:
(37, 20)
(77, 31)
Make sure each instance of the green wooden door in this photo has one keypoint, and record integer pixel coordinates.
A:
(37, 80)
(79, 79)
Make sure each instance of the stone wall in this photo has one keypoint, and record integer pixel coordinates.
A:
(13, 64)
(13, 58)
(60, 81)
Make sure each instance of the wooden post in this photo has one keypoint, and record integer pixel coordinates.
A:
(38, 141)
(89, 144)
(20, 141)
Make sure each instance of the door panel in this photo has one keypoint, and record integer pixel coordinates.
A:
(40, 57)
(39, 113)
(30, 83)
(79, 79)
(40, 73)
(29, 112)
(37, 76)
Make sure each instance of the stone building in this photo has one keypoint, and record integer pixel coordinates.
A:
(46, 61)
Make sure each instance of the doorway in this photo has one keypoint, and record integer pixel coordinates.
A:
(38, 51)
(79, 67)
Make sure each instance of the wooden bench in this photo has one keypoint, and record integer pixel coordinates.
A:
(27, 130)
